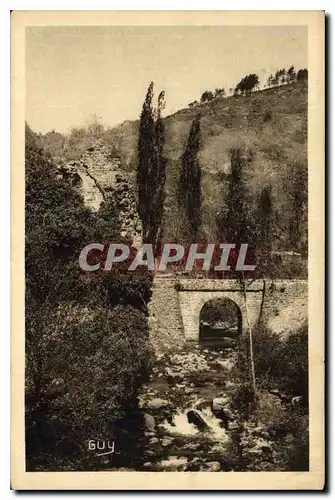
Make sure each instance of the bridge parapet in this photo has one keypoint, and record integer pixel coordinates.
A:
(218, 284)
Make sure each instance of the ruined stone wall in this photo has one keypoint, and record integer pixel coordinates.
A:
(98, 176)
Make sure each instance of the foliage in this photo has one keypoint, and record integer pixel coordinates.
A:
(219, 92)
(220, 310)
(151, 167)
(297, 189)
(247, 84)
(281, 367)
(189, 189)
(265, 222)
(87, 348)
(283, 363)
(302, 75)
(286, 76)
(234, 222)
(207, 96)
(95, 126)
(83, 372)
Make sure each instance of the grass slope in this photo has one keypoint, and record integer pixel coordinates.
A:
(272, 122)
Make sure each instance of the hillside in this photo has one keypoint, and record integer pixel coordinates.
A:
(272, 122)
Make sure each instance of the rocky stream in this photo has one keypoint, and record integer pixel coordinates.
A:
(191, 419)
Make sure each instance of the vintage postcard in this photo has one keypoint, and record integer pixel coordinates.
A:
(167, 250)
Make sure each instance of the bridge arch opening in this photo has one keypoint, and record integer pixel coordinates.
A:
(220, 323)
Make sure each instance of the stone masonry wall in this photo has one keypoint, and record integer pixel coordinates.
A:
(194, 294)
(176, 304)
(165, 322)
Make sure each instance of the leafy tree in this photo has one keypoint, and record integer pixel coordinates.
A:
(151, 167)
(291, 75)
(53, 144)
(79, 329)
(234, 222)
(236, 226)
(302, 75)
(219, 92)
(189, 189)
(276, 78)
(247, 84)
(265, 226)
(207, 96)
(282, 76)
(76, 143)
(298, 193)
(95, 126)
(160, 173)
(269, 82)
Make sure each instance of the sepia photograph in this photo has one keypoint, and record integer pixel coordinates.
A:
(168, 188)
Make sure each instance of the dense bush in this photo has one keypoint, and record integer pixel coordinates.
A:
(282, 363)
(87, 348)
(281, 367)
(82, 378)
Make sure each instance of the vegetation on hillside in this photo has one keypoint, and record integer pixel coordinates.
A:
(271, 122)
(151, 167)
(87, 348)
(235, 173)
(189, 188)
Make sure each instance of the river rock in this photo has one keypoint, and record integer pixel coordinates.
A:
(148, 465)
(173, 463)
(211, 467)
(296, 401)
(261, 446)
(149, 421)
(166, 441)
(218, 404)
(157, 404)
(192, 446)
(194, 417)
(233, 426)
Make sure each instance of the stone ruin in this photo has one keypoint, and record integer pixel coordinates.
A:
(98, 176)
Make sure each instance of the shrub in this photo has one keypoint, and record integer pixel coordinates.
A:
(282, 363)
(83, 374)
(267, 117)
(87, 349)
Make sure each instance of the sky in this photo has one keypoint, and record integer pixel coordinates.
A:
(73, 72)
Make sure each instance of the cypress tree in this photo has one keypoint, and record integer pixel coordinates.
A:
(265, 224)
(299, 198)
(151, 167)
(234, 223)
(189, 189)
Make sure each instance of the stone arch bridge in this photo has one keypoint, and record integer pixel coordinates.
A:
(175, 306)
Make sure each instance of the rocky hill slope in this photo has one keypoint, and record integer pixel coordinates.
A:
(272, 123)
